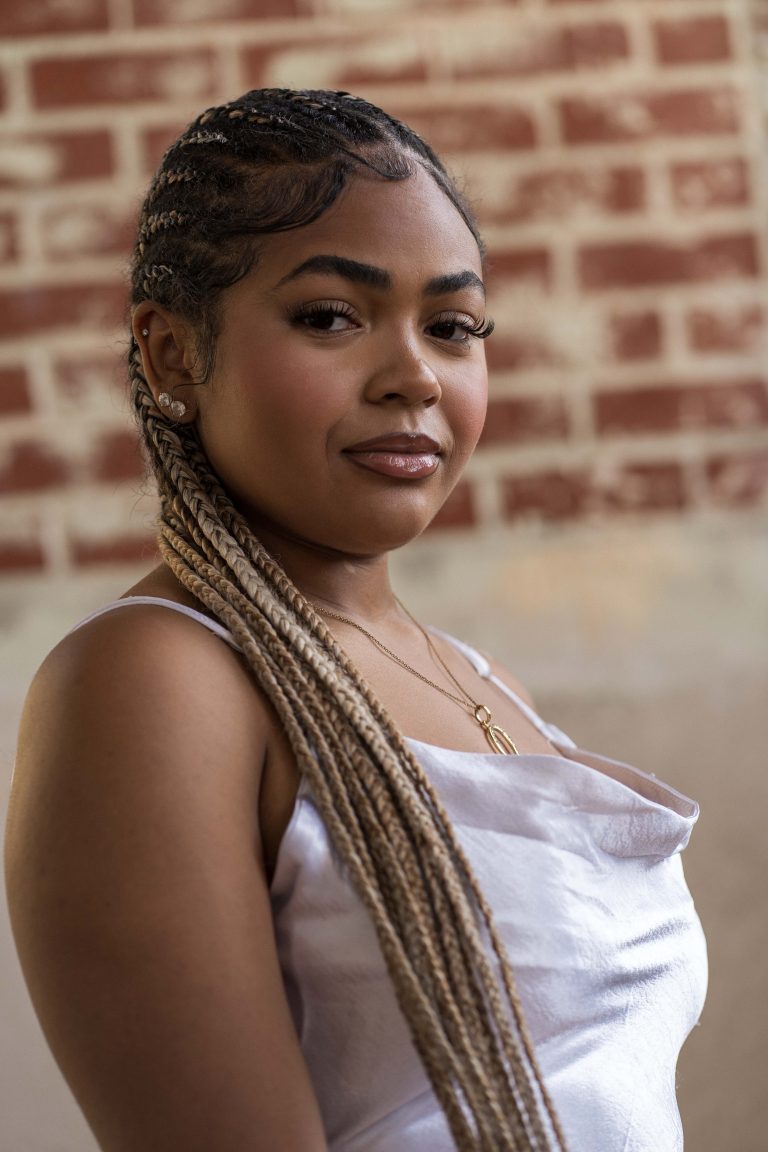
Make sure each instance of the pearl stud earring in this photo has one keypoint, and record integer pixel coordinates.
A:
(177, 407)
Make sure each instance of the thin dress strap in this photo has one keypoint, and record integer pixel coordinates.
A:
(127, 601)
(483, 668)
(475, 658)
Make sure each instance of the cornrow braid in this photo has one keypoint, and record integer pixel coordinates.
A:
(283, 159)
(156, 221)
(174, 176)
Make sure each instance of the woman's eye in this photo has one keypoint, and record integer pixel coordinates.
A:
(461, 329)
(453, 331)
(324, 318)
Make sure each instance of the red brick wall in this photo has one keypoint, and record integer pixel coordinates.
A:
(614, 153)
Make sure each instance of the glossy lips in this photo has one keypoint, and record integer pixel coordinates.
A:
(406, 455)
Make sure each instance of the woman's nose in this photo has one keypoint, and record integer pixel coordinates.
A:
(407, 377)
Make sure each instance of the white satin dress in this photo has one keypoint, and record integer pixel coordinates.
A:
(579, 858)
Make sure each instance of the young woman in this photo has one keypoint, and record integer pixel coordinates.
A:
(289, 871)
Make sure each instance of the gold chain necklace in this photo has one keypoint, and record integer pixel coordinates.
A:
(498, 739)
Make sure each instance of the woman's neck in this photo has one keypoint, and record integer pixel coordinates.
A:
(354, 586)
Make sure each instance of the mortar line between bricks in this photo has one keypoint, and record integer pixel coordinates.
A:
(231, 66)
(641, 41)
(565, 83)
(127, 154)
(627, 375)
(42, 390)
(614, 449)
(17, 90)
(418, 95)
(528, 161)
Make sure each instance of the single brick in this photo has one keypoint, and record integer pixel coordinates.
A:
(123, 78)
(521, 351)
(514, 419)
(738, 480)
(44, 17)
(560, 193)
(21, 556)
(181, 12)
(641, 263)
(87, 229)
(29, 467)
(463, 128)
(525, 266)
(458, 510)
(710, 184)
(675, 407)
(634, 335)
(621, 116)
(124, 549)
(14, 391)
(118, 457)
(512, 50)
(9, 240)
(644, 487)
(552, 494)
(24, 311)
(727, 328)
(38, 159)
(698, 40)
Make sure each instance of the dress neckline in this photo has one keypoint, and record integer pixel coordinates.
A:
(643, 786)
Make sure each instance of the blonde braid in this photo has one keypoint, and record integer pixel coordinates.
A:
(387, 826)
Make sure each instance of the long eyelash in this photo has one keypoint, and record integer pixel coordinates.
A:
(483, 328)
(321, 309)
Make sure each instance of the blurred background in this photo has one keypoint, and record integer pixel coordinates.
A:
(609, 541)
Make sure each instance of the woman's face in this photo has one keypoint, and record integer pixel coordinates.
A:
(351, 329)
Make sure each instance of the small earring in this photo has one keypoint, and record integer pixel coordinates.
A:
(145, 331)
(178, 407)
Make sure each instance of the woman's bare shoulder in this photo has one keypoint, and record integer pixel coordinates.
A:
(137, 892)
(148, 670)
(141, 694)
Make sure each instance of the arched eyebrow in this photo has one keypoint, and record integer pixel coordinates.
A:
(374, 277)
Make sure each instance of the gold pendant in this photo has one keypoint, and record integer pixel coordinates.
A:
(498, 739)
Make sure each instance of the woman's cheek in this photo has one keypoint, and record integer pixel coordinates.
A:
(471, 407)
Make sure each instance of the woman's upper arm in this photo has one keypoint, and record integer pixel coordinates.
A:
(138, 897)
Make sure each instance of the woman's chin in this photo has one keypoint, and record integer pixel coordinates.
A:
(373, 538)
(386, 534)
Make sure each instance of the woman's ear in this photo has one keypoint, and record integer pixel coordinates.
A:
(168, 354)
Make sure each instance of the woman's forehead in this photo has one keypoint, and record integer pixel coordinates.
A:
(387, 225)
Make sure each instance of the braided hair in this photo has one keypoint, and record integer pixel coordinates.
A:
(274, 160)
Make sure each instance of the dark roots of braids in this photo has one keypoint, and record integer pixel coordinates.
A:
(271, 161)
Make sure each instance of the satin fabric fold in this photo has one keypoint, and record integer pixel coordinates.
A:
(584, 877)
